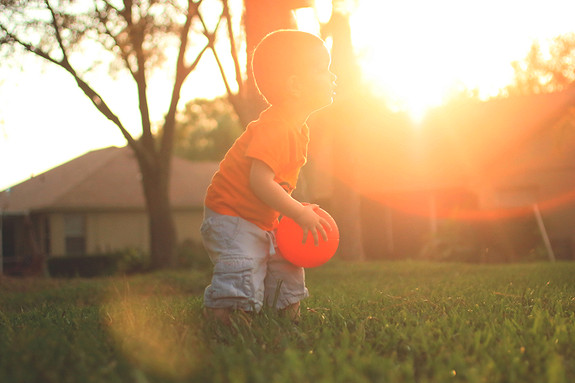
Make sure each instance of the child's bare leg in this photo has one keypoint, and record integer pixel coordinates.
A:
(292, 311)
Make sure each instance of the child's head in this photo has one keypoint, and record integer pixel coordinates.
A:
(283, 54)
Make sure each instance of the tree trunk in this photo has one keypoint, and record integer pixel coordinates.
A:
(162, 232)
(163, 239)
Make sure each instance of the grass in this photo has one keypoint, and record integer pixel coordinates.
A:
(365, 322)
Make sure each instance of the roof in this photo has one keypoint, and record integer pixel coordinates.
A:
(105, 179)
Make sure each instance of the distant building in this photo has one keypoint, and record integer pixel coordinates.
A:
(483, 168)
(95, 204)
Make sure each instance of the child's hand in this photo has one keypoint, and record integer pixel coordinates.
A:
(310, 221)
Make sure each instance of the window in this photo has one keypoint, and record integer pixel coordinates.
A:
(75, 234)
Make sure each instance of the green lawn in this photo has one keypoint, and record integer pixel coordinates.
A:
(365, 322)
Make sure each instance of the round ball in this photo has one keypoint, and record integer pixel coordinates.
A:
(289, 238)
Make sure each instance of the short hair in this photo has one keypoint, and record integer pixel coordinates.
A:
(281, 54)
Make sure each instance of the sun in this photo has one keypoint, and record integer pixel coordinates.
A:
(418, 54)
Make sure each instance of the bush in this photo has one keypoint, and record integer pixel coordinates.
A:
(499, 241)
(192, 254)
(84, 266)
(127, 261)
(133, 260)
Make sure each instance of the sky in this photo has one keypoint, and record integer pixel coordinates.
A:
(426, 51)
(414, 52)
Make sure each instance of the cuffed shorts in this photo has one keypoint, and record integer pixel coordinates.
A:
(248, 271)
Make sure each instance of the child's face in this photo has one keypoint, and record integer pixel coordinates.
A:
(318, 83)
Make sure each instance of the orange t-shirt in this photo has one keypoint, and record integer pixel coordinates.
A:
(283, 147)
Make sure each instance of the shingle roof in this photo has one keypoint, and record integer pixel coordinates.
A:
(105, 179)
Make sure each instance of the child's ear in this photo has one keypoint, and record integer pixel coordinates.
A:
(294, 86)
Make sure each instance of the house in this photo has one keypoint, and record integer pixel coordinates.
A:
(504, 169)
(94, 204)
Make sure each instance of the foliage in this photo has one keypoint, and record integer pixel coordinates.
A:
(132, 260)
(192, 255)
(83, 266)
(129, 260)
(206, 129)
(365, 322)
(485, 241)
(543, 72)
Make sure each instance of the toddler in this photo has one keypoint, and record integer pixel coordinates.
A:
(254, 182)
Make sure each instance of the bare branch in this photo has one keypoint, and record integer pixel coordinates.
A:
(226, 14)
(57, 32)
(94, 97)
(124, 54)
(182, 71)
(211, 36)
(192, 11)
(197, 60)
(29, 47)
(102, 107)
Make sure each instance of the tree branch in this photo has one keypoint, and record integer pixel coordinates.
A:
(182, 71)
(211, 36)
(234, 52)
(29, 47)
(124, 54)
(57, 33)
(141, 81)
(94, 97)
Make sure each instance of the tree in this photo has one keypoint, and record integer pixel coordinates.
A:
(135, 33)
(544, 72)
(206, 129)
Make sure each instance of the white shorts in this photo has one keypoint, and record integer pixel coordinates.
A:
(247, 267)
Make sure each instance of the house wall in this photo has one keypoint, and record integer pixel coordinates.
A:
(111, 231)
(188, 225)
(106, 232)
(57, 241)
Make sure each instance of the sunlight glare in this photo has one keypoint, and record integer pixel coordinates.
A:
(415, 53)
(142, 328)
(323, 9)
(307, 20)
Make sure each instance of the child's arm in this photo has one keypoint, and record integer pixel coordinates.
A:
(272, 194)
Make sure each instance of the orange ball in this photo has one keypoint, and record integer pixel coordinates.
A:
(289, 238)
